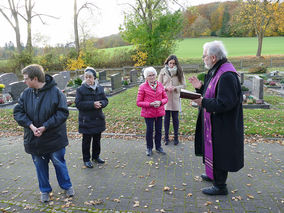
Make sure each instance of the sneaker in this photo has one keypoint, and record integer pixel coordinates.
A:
(160, 150)
(88, 164)
(70, 192)
(44, 197)
(149, 152)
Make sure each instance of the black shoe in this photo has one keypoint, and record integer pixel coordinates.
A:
(149, 152)
(214, 190)
(88, 164)
(206, 178)
(176, 141)
(167, 141)
(160, 150)
(99, 160)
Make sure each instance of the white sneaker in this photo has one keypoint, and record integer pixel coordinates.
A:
(44, 197)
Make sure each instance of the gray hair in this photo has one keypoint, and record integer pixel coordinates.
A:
(215, 48)
(149, 70)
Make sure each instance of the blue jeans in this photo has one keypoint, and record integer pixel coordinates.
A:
(42, 170)
(150, 129)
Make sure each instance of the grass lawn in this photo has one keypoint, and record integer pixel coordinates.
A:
(236, 47)
(243, 46)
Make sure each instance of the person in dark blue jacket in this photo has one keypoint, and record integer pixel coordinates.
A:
(90, 99)
(42, 111)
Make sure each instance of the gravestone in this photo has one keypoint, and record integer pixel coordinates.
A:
(82, 77)
(61, 81)
(242, 78)
(133, 76)
(116, 81)
(16, 88)
(66, 75)
(6, 79)
(102, 76)
(257, 87)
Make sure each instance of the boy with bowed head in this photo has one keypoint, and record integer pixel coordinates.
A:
(151, 98)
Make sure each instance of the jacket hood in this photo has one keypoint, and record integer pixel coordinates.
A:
(49, 82)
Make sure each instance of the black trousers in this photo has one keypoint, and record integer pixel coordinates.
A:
(167, 123)
(220, 178)
(150, 123)
(96, 146)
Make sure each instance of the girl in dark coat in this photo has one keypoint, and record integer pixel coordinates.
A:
(90, 99)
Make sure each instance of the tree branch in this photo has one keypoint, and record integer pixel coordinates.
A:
(87, 5)
(4, 14)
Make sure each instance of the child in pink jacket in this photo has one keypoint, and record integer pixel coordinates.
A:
(151, 98)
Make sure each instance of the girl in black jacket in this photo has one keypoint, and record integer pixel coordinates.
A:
(90, 99)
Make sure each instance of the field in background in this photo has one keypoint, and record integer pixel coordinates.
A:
(244, 46)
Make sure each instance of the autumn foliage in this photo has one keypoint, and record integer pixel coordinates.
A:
(229, 18)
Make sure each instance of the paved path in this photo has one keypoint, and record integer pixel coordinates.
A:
(132, 182)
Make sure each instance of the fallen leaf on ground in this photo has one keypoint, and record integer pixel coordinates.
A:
(207, 203)
(250, 196)
(136, 204)
(116, 200)
(166, 188)
(234, 191)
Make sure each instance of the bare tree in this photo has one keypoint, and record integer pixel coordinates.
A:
(13, 9)
(87, 5)
(30, 14)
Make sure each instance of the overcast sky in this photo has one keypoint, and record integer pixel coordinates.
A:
(105, 21)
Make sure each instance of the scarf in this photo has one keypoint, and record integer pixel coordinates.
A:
(153, 86)
(171, 71)
(93, 87)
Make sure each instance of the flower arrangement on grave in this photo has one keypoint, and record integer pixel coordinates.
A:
(272, 83)
(2, 86)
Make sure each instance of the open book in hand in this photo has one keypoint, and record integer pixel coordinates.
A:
(189, 95)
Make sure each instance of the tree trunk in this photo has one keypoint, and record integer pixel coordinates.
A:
(29, 27)
(15, 26)
(76, 33)
(259, 38)
(18, 37)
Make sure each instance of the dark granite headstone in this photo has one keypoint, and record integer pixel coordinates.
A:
(16, 88)
(66, 75)
(242, 78)
(102, 76)
(61, 81)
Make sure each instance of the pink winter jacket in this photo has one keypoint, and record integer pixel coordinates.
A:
(146, 95)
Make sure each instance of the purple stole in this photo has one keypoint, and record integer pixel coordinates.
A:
(210, 93)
